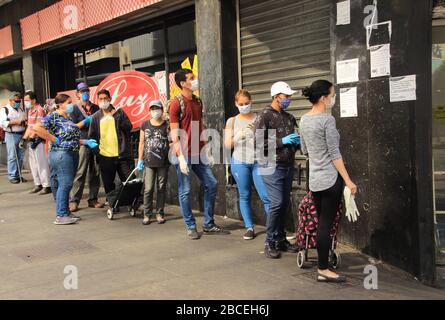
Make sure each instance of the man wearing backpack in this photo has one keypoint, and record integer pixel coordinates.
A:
(13, 121)
(186, 125)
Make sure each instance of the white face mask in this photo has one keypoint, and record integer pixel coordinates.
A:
(104, 105)
(332, 103)
(28, 104)
(245, 109)
(195, 85)
(156, 114)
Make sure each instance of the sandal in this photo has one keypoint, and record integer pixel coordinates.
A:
(160, 219)
(146, 221)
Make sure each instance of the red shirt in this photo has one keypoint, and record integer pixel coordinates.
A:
(35, 114)
(192, 113)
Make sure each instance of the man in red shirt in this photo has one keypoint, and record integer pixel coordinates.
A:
(186, 126)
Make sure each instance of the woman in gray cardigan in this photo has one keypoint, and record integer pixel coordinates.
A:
(327, 176)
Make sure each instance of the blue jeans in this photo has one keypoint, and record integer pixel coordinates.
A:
(12, 142)
(63, 170)
(244, 174)
(278, 186)
(208, 180)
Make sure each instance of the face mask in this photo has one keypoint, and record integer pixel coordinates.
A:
(104, 105)
(16, 105)
(332, 103)
(156, 114)
(245, 109)
(85, 96)
(284, 104)
(195, 85)
(28, 104)
(69, 108)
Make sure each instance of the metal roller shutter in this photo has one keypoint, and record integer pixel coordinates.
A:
(285, 40)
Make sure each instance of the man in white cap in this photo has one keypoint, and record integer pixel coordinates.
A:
(13, 121)
(278, 127)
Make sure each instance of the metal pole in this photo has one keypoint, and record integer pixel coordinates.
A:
(166, 54)
(84, 67)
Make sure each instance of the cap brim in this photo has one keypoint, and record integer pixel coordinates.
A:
(289, 93)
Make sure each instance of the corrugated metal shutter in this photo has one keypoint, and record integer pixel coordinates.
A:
(285, 40)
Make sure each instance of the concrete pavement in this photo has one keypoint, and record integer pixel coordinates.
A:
(122, 259)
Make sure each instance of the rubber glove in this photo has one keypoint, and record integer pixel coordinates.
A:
(183, 166)
(140, 165)
(91, 143)
(87, 121)
(352, 212)
(291, 139)
(210, 157)
(57, 142)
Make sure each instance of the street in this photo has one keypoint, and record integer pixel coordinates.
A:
(122, 259)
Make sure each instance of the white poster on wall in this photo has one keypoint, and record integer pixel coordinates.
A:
(403, 88)
(380, 61)
(344, 12)
(348, 102)
(347, 71)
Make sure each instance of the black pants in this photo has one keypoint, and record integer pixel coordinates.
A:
(326, 203)
(109, 166)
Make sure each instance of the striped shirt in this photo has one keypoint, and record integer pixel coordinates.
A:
(35, 114)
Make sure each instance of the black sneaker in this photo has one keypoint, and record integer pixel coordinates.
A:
(36, 189)
(214, 229)
(193, 234)
(271, 252)
(249, 235)
(46, 190)
(286, 246)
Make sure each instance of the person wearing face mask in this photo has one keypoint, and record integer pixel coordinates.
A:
(239, 136)
(153, 160)
(38, 161)
(111, 128)
(88, 168)
(278, 127)
(185, 113)
(63, 155)
(13, 121)
(327, 173)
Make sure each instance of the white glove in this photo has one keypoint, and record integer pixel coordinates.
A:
(210, 157)
(351, 208)
(241, 134)
(183, 166)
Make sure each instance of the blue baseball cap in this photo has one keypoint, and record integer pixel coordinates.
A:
(155, 103)
(82, 86)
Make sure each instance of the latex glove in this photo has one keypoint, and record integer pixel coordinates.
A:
(87, 121)
(183, 166)
(210, 157)
(291, 139)
(23, 144)
(240, 135)
(352, 212)
(58, 141)
(141, 165)
(91, 143)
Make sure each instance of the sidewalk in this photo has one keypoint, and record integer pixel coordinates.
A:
(122, 259)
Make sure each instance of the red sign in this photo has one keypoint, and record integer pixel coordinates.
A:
(132, 91)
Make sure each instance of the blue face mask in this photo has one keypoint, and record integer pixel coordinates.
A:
(16, 105)
(85, 96)
(284, 104)
(69, 108)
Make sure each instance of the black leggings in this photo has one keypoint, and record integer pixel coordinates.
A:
(326, 203)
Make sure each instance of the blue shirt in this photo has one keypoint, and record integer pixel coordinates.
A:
(64, 129)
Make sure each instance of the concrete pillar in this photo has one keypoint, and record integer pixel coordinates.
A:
(33, 74)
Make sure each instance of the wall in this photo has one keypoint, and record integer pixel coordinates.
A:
(387, 148)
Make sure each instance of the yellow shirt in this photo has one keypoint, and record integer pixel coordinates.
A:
(108, 145)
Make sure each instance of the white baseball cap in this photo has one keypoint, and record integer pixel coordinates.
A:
(281, 87)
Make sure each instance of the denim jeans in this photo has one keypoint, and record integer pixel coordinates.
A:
(208, 180)
(12, 142)
(278, 186)
(244, 174)
(63, 170)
